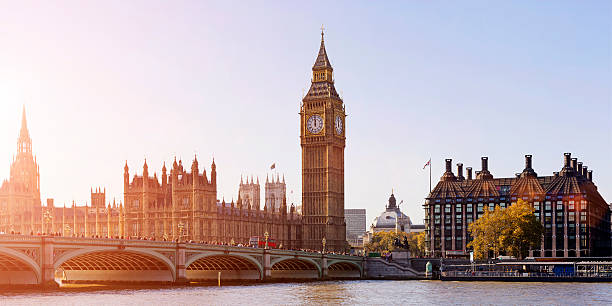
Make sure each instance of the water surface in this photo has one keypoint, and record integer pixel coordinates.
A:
(331, 292)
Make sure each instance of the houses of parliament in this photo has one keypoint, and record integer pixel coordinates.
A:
(183, 203)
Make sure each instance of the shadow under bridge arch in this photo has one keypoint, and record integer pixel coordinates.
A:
(206, 267)
(16, 268)
(295, 268)
(344, 269)
(112, 265)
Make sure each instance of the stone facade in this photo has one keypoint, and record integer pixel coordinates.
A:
(20, 204)
(322, 133)
(276, 191)
(249, 193)
(184, 205)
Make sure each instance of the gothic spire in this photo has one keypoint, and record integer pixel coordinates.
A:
(322, 60)
(322, 85)
(24, 143)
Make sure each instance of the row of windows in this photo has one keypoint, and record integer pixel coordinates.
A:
(491, 206)
(548, 197)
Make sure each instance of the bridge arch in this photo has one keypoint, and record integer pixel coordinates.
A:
(206, 266)
(288, 267)
(18, 268)
(344, 269)
(108, 264)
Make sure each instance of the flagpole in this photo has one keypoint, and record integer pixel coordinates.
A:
(430, 175)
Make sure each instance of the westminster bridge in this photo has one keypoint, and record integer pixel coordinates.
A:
(49, 260)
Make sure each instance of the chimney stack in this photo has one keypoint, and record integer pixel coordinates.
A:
(469, 172)
(449, 165)
(528, 162)
(460, 171)
(580, 168)
(590, 175)
(575, 164)
(485, 164)
(585, 170)
(568, 158)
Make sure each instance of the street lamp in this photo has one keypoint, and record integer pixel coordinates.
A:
(47, 217)
(68, 229)
(181, 226)
(266, 235)
(323, 241)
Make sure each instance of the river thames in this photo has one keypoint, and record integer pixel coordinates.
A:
(332, 292)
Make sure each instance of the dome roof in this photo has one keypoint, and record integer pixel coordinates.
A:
(388, 219)
(391, 215)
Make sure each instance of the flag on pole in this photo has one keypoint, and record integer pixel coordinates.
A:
(427, 164)
(273, 166)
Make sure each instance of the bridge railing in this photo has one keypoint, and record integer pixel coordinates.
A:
(162, 244)
(14, 237)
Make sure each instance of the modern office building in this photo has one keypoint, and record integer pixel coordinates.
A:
(355, 225)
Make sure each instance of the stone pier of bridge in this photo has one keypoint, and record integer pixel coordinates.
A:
(47, 261)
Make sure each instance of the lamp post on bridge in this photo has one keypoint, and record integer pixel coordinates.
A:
(68, 229)
(266, 235)
(181, 226)
(323, 241)
(47, 216)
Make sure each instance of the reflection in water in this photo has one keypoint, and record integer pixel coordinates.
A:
(332, 292)
(324, 293)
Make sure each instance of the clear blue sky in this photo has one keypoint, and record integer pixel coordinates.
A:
(110, 81)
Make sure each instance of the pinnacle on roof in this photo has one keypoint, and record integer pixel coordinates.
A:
(322, 61)
(23, 133)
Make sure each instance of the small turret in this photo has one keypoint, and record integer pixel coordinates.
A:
(284, 207)
(145, 170)
(213, 173)
(164, 175)
(126, 176)
(194, 165)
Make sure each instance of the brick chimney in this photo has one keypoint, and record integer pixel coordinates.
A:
(460, 172)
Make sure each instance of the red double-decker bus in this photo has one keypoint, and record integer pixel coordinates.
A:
(260, 242)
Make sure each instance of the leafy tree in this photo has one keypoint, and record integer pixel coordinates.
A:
(525, 231)
(421, 243)
(385, 242)
(510, 231)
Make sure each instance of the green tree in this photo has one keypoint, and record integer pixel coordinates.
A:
(384, 242)
(512, 231)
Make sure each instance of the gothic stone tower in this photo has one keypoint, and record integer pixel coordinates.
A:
(323, 140)
(249, 193)
(20, 195)
(276, 191)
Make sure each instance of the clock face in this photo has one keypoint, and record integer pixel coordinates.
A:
(314, 124)
(338, 125)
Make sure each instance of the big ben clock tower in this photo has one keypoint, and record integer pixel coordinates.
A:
(322, 134)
